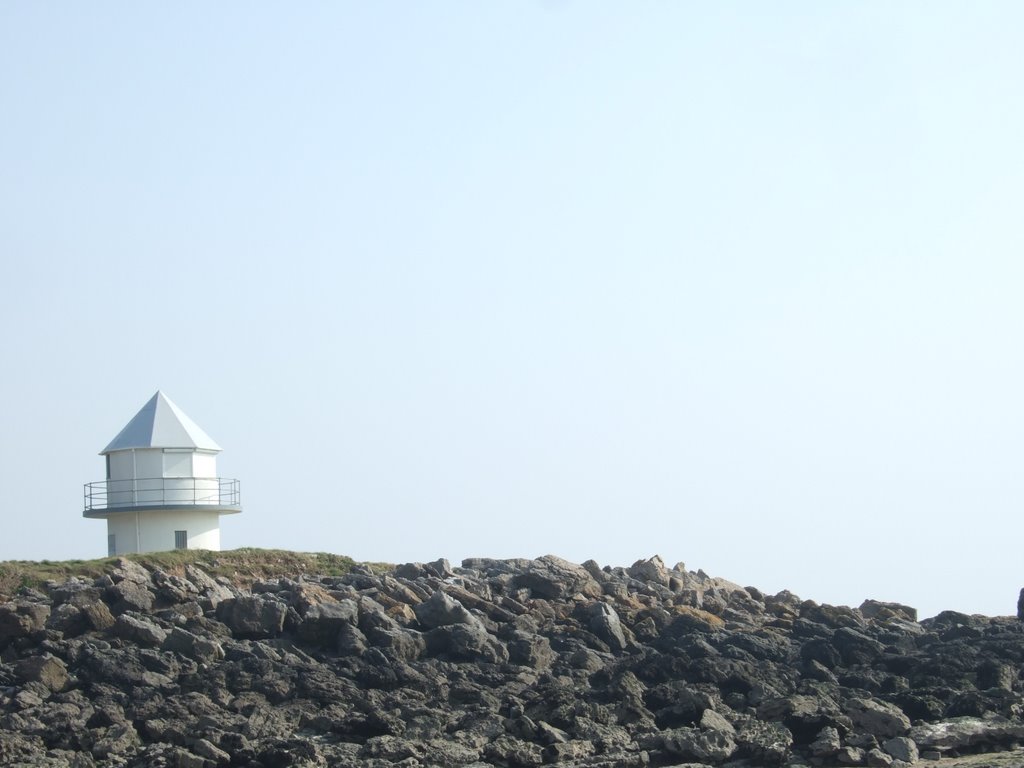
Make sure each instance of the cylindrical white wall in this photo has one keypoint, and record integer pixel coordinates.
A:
(154, 531)
(148, 476)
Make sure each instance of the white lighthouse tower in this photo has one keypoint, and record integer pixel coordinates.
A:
(162, 491)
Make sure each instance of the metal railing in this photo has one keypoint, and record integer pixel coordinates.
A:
(162, 491)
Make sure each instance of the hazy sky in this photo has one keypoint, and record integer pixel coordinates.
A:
(735, 283)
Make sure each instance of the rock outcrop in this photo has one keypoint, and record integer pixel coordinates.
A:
(497, 663)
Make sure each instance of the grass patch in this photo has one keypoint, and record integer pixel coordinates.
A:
(242, 566)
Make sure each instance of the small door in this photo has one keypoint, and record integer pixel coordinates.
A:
(181, 539)
(111, 544)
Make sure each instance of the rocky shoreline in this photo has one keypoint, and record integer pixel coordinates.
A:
(494, 663)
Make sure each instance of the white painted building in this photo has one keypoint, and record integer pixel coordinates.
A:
(162, 490)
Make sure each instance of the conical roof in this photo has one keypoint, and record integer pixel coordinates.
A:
(161, 424)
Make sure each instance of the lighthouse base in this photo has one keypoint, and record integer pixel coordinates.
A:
(159, 531)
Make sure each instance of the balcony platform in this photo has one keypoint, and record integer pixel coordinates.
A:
(110, 498)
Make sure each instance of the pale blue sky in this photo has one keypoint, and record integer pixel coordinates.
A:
(739, 284)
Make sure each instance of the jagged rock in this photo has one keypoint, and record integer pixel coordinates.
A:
(206, 749)
(510, 751)
(440, 568)
(442, 610)
(766, 744)
(128, 570)
(75, 592)
(465, 642)
(704, 746)
(850, 755)
(410, 571)
(966, 733)
(252, 617)
(140, 630)
(351, 640)
(209, 589)
(803, 715)
(403, 644)
(877, 758)
(713, 721)
(901, 748)
(878, 718)
(98, 616)
(827, 743)
(552, 577)
(604, 622)
(530, 650)
(130, 595)
(855, 647)
(322, 622)
(46, 669)
(21, 619)
(993, 674)
(652, 570)
(199, 648)
(68, 620)
(875, 609)
(865, 741)
(499, 662)
(831, 616)
(117, 740)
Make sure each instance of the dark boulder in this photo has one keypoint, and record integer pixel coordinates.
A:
(252, 617)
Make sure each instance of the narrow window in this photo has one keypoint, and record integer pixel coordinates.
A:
(181, 539)
(111, 545)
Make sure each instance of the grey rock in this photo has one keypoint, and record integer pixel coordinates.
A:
(552, 577)
(713, 721)
(75, 592)
(129, 595)
(966, 732)
(128, 570)
(440, 568)
(530, 650)
(98, 616)
(351, 641)
(442, 610)
(21, 619)
(117, 740)
(67, 619)
(521, 663)
(404, 644)
(855, 647)
(766, 744)
(704, 746)
(410, 571)
(252, 617)
(901, 748)
(878, 718)
(46, 669)
(827, 743)
(877, 610)
(199, 648)
(465, 642)
(206, 749)
(139, 630)
(322, 623)
(605, 623)
(877, 758)
(850, 755)
(209, 589)
(652, 570)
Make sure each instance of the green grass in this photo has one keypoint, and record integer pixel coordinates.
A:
(242, 566)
